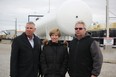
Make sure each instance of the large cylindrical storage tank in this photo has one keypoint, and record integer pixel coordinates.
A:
(65, 18)
(70, 12)
(45, 24)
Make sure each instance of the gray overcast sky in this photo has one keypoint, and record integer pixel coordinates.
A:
(20, 9)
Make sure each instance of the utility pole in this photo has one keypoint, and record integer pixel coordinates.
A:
(108, 40)
(15, 27)
(107, 17)
(49, 7)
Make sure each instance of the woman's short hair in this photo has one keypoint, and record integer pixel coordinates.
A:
(55, 31)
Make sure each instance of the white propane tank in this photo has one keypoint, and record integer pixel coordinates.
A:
(45, 23)
(65, 18)
(70, 12)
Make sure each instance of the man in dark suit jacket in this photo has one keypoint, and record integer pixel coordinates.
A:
(25, 53)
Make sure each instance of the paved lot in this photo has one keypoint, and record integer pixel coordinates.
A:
(108, 69)
(4, 60)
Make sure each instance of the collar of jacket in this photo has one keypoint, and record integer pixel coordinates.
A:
(55, 44)
(86, 35)
(24, 34)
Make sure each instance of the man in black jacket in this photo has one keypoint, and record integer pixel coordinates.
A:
(25, 53)
(85, 57)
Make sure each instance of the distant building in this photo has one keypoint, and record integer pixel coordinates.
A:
(10, 34)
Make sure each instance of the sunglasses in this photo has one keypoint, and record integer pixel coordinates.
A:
(79, 28)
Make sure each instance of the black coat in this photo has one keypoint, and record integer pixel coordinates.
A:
(54, 59)
(25, 59)
(85, 57)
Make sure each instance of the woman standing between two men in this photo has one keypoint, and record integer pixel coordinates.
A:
(54, 57)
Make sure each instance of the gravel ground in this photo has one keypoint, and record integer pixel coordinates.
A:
(108, 69)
